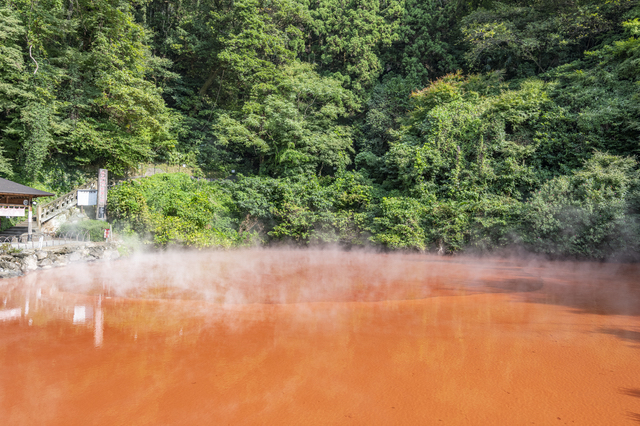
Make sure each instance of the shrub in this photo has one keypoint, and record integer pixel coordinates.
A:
(585, 214)
(95, 228)
(172, 208)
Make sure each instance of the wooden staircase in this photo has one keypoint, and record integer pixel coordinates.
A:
(61, 204)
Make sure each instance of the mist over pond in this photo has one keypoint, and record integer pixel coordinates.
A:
(321, 337)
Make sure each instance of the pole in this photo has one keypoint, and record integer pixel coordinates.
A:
(39, 217)
(30, 220)
(102, 194)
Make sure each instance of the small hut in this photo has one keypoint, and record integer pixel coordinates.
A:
(16, 198)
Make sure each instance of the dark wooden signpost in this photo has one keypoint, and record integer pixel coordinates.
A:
(103, 176)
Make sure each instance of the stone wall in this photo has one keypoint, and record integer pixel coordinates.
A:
(14, 264)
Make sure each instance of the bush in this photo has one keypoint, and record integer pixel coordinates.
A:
(585, 214)
(95, 228)
(306, 209)
(172, 208)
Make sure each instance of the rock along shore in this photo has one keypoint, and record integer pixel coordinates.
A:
(18, 263)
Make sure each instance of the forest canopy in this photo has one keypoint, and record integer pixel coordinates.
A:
(430, 125)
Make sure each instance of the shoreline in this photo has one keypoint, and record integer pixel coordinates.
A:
(19, 263)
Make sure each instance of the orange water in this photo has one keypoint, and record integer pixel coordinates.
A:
(320, 338)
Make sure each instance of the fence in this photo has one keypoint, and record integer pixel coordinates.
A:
(41, 240)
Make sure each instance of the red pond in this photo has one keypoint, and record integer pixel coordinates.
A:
(321, 337)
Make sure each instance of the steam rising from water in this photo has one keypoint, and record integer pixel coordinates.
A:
(272, 335)
(280, 277)
(289, 276)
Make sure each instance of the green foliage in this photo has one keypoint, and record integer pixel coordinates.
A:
(306, 210)
(427, 34)
(346, 37)
(8, 249)
(73, 84)
(343, 122)
(527, 38)
(444, 226)
(291, 127)
(466, 144)
(586, 214)
(8, 222)
(388, 103)
(175, 209)
(398, 223)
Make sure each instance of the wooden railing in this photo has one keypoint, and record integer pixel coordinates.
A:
(70, 199)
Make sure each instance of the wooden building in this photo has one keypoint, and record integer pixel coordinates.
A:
(15, 199)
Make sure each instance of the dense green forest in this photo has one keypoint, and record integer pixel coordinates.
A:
(430, 125)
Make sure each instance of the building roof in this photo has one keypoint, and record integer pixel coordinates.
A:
(8, 187)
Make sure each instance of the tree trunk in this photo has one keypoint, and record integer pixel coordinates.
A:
(208, 83)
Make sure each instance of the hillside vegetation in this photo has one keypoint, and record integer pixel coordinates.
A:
(439, 125)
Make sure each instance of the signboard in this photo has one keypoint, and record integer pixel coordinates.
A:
(11, 211)
(87, 197)
(102, 194)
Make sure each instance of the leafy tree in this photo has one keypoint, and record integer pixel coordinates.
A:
(291, 127)
(76, 86)
(586, 214)
(527, 38)
(345, 37)
(428, 32)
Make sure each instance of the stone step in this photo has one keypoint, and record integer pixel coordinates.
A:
(19, 229)
(14, 231)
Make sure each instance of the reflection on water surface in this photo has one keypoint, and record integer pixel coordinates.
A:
(320, 337)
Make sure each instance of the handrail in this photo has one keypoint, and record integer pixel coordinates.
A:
(50, 210)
